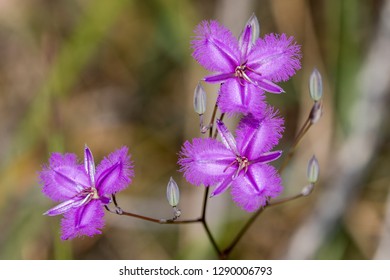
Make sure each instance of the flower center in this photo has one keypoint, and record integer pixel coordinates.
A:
(240, 73)
(243, 164)
(90, 192)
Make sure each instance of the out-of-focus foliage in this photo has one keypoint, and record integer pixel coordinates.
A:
(112, 73)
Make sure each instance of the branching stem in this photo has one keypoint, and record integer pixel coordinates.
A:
(120, 212)
(224, 254)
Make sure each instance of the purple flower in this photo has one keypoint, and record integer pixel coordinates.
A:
(241, 163)
(83, 190)
(247, 67)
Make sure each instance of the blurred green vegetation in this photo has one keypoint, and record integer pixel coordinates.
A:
(113, 73)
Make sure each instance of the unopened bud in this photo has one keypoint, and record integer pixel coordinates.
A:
(313, 170)
(255, 29)
(200, 99)
(315, 85)
(307, 190)
(173, 193)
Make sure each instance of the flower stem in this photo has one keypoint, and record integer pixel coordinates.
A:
(204, 223)
(153, 220)
(206, 193)
(211, 124)
(160, 221)
(210, 236)
(248, 224)
(118, 210)
(174, 220)
(205, 199)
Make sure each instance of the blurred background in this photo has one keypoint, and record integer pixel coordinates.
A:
(112, 73)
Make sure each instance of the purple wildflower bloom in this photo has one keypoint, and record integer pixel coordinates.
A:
(84, 190)
(247, 67)
(241, 163)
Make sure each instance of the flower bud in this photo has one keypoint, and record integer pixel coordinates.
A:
(173, 193)
(255, 29)
(315, 85)
(200, 99)
(313, 170)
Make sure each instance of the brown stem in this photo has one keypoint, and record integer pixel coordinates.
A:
(160, 221)
(212, 240)
(120, 212)
(204, 223)
(205, 199)
(248, 224)
(211, 124)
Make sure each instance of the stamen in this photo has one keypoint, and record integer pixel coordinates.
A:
(246, 78)
(243, 164)
(235, 175)
(91, 192)
(241, 74)
(87, 199)
(230, 165)
(240, 70)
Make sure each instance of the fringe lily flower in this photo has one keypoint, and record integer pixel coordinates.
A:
(83, 190)
(240, 163)
(247, 67)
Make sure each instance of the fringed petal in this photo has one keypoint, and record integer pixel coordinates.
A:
(235, 98)
(258, 136)
(86, 220)
(260, 183)
(215, 47)
(204, 161)
(275, 57)
(114, 173)
(63, 178)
